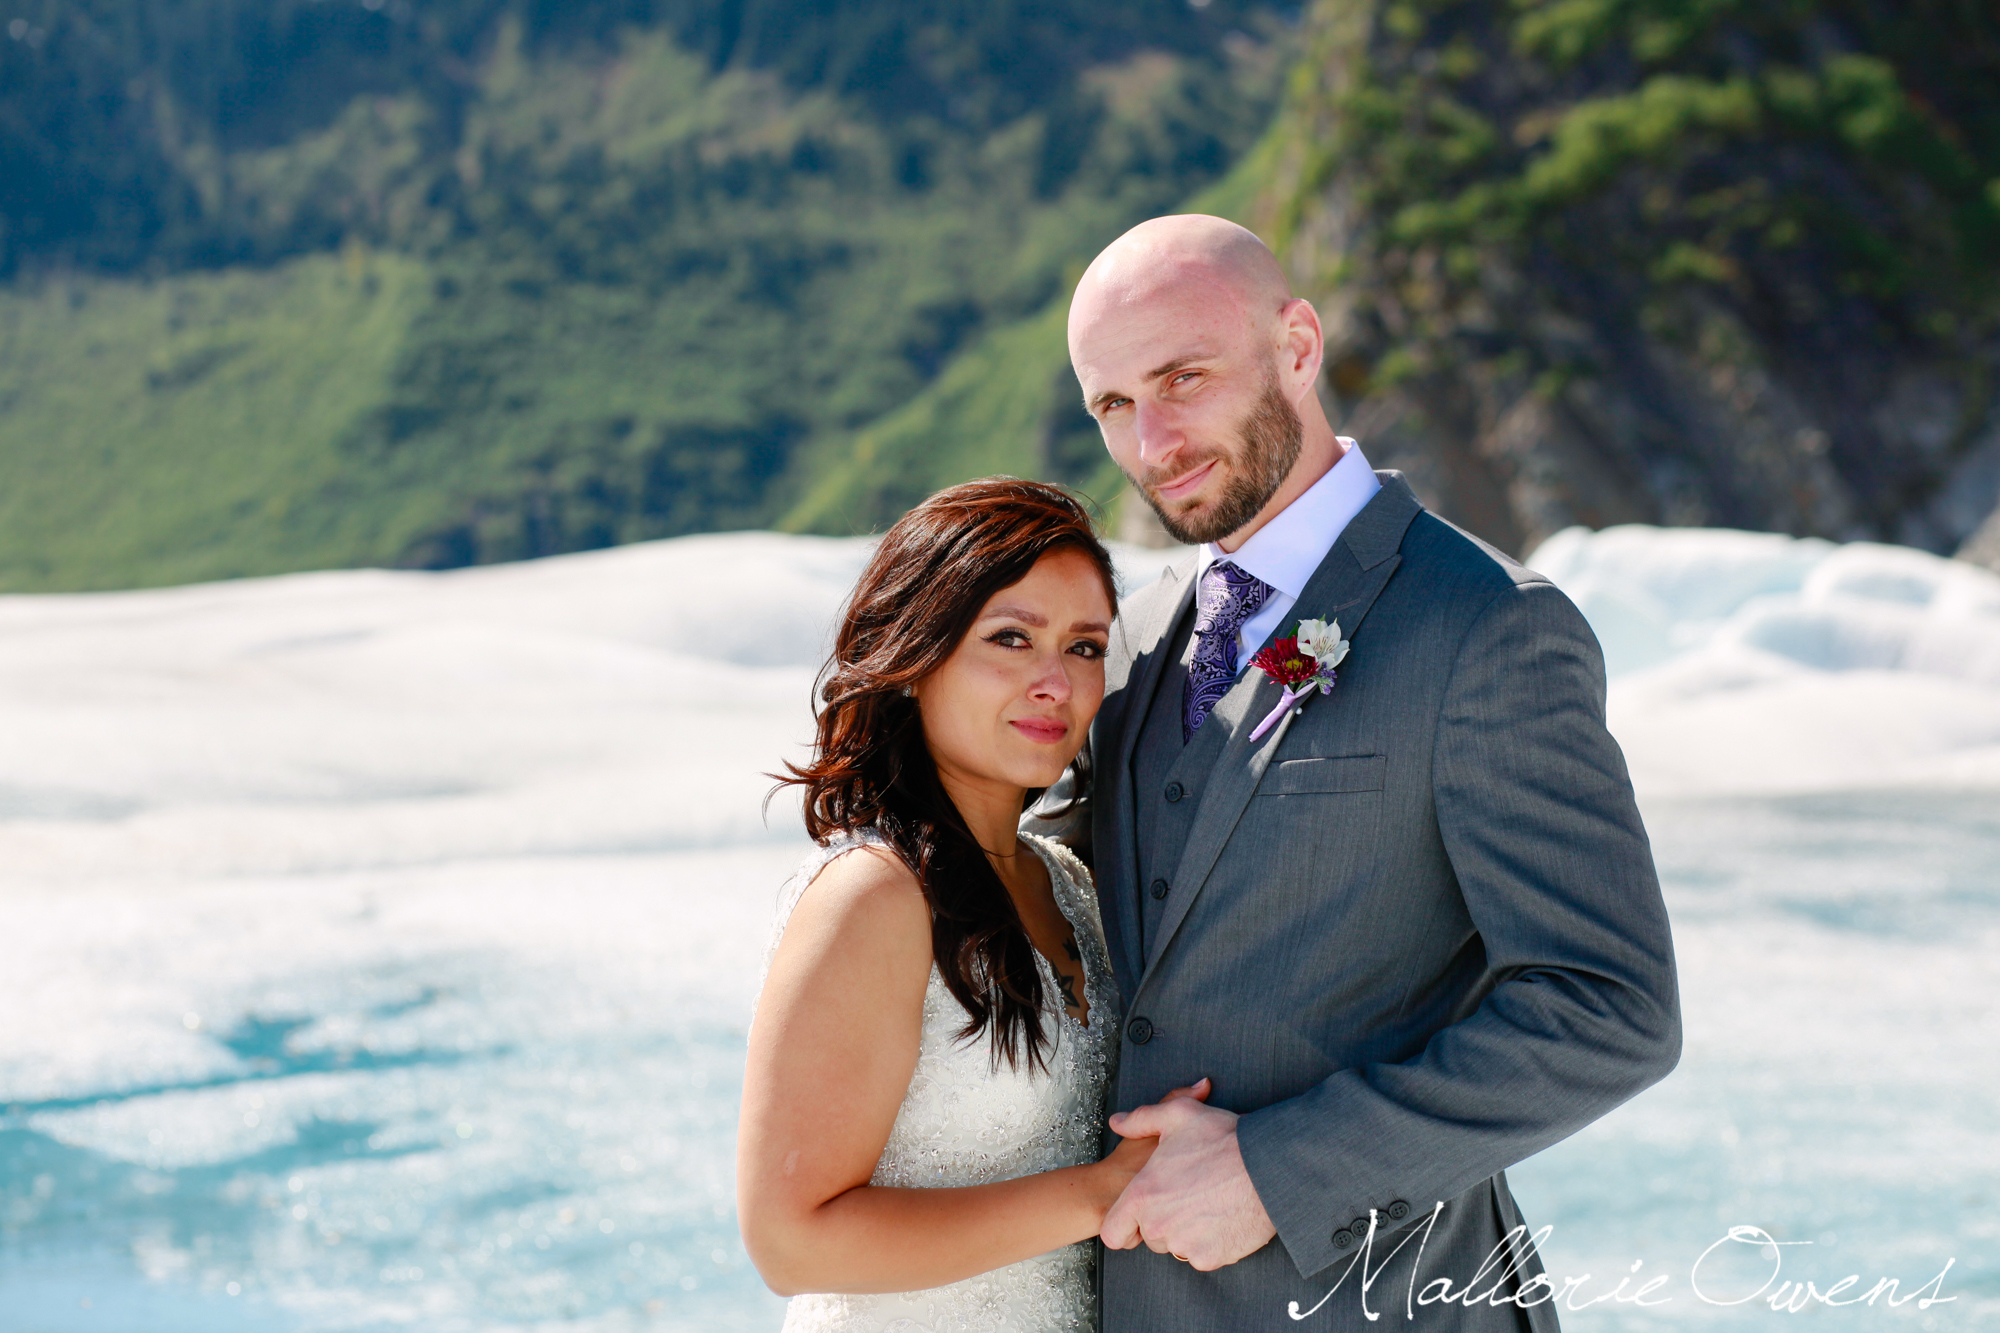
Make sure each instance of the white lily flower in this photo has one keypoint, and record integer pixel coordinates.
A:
(1321, 640)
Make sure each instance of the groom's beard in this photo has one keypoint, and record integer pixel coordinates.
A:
(1271, 436)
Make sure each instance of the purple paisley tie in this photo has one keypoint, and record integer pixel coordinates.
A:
(1226, 599)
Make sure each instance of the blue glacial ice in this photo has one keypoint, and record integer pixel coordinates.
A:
(378, 946)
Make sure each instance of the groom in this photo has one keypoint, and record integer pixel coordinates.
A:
(1413, 933)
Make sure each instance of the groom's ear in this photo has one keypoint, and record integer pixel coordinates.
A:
(1301, 342)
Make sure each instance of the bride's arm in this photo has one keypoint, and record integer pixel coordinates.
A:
(831, 1053)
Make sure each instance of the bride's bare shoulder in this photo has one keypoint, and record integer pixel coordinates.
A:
(866, 901)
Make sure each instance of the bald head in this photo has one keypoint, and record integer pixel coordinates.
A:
(1172, 260)
(1200, 367)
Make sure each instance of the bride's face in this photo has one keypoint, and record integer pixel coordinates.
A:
(1012, 704)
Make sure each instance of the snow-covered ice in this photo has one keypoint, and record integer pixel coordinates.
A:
(377, 946)
(1758, 663)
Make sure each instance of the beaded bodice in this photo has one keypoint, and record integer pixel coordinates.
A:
(963, 1122)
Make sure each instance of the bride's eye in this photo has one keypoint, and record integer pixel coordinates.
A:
(1088, 650)
(1009, 638)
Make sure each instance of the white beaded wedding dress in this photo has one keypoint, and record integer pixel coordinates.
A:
(962, 1122)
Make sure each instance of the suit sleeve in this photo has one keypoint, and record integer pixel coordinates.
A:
(1537, 816)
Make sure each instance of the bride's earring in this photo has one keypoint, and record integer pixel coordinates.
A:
(909, 693)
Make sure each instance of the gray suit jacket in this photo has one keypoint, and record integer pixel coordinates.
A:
(1415, 934)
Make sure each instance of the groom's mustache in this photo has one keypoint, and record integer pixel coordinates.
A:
(1153, 480)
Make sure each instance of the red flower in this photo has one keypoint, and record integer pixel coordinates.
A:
(1285, 663)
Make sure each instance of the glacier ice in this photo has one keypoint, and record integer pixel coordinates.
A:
(379, 944)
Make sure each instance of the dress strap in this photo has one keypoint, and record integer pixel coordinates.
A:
(1071, 880)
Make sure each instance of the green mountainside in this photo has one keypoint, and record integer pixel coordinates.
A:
(311, 285)
(1722, 262)
(1009, 403)
(314, 283)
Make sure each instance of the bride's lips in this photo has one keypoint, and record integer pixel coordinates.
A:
(1185, 483)
(1043, 729)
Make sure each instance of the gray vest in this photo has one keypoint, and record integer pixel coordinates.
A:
(1168, 778)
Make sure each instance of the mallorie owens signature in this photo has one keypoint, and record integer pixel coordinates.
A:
(1499, 1272)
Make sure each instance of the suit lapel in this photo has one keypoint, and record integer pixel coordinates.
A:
(1150, 634)
(1343, 588)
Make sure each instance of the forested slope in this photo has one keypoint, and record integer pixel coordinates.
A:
(305, 284)
(310, 284)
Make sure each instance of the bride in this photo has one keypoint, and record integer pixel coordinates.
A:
(923, 1109)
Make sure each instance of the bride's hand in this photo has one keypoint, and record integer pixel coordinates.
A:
(1116, 1171)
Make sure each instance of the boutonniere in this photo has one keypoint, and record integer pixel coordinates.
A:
(1302, 664)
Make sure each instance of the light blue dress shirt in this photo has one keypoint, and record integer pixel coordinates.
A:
(1285, 552)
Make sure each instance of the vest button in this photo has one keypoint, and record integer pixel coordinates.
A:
(1159, 889)
(1175, 791)
(1140, 1030)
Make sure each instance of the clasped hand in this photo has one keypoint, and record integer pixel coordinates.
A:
(1193, 1198)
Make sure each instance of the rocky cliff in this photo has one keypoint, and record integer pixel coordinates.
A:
(1721, 262)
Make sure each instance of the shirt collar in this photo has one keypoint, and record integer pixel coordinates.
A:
(1285, 551)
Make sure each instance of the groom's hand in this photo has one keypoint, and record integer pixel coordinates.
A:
(1193, 1199)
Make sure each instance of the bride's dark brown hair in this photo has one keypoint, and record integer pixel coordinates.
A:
(930, 577)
